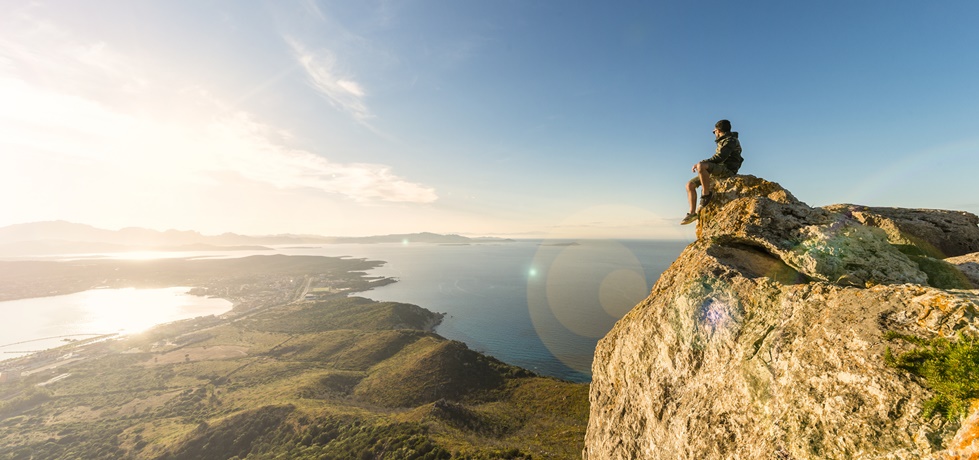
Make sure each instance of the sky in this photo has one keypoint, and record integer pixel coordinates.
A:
(519, 119)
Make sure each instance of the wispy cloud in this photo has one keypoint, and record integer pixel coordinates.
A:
(342, 91)
(47, 55)
(252, 151)
(63, 108)
(313, 9)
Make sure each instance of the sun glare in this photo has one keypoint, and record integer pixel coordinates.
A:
(130, 311)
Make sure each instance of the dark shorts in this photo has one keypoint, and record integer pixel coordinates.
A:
(717, 170)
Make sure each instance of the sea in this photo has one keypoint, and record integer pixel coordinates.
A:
(538, 304)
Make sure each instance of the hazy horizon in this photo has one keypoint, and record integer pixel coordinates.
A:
(507, 119)
(474, 236)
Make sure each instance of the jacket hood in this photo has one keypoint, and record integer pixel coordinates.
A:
(733, 134)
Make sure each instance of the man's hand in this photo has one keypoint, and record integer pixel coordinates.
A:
(694, 168)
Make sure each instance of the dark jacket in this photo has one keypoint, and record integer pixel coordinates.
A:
(728, 152)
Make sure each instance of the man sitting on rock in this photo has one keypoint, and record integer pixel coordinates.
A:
(725, 163)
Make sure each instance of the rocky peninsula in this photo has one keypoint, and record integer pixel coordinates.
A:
(795, 332)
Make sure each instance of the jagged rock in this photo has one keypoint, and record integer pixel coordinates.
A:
(766, 339)
(819, 243)
(965, 444)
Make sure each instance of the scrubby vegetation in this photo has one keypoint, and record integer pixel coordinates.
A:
(346, 313)
(950, 368)
(336, 378)
(941, 274)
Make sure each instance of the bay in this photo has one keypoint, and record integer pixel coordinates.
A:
(540, 305)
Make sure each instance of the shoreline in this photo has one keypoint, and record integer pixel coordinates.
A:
(282, 279)
(344, 362)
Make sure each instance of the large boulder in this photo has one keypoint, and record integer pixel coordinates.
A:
(767, 339)
(936, 233)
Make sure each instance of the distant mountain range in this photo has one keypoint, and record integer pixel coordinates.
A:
(60, 237)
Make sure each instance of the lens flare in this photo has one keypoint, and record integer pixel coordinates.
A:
(583, 287)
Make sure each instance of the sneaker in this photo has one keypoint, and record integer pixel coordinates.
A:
(706, 199)
(690, 218)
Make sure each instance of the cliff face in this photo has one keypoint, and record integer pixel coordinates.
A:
(770, 336)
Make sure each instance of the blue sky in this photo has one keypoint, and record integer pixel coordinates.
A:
(508, 118)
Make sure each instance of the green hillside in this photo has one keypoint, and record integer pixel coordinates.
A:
(341, 378)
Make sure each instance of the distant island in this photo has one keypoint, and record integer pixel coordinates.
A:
(61, 237)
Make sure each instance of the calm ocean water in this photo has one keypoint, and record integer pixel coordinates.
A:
(540, 305)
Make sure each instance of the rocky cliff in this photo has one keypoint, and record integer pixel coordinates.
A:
(792, 332)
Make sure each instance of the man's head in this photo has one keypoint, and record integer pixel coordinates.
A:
(721, 128)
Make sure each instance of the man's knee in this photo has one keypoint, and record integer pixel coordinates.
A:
(692, 186)
(704, 166)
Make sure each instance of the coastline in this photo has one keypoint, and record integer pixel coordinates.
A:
(490, 296)
(285, 280)
(295, 369)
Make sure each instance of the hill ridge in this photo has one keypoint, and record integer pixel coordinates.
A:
(58, 237)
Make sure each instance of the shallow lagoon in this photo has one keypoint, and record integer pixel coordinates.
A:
(45, 322)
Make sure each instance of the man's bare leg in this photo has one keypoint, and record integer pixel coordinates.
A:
(692, 196)
(703, 170)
